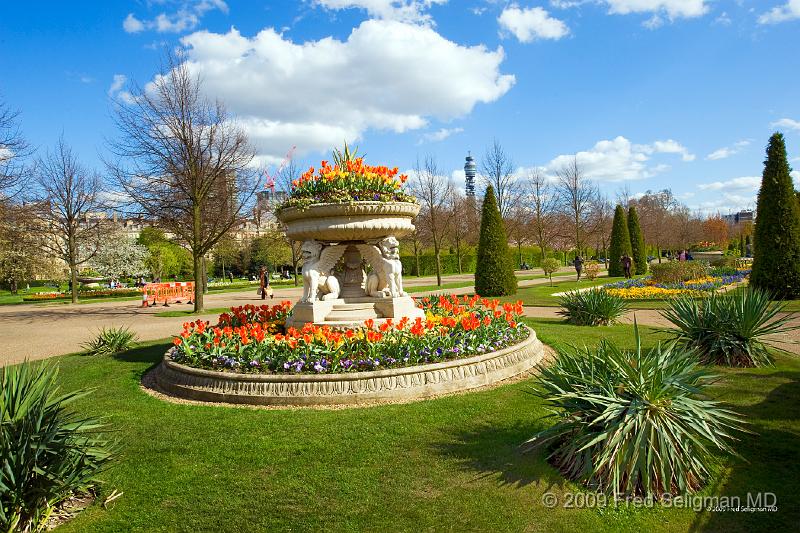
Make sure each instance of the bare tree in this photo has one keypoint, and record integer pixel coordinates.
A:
(577, 195)
(604, 217)
(655, 208)
(13, 151)
(283, 183)
(543, 201)
(184, 162)
(463, 221)
(433, 192)
(71, 198)
(497, 170)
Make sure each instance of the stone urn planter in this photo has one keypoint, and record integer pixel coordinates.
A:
(339, 241)
(355, 221)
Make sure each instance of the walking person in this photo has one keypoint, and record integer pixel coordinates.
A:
(627, 262)
(263, 282)
(578, 264)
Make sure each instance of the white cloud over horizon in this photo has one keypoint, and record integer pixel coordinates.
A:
(727, 151)
(401, 10)
(531, 24)
(619, 159)
(286, 93)
(787, 123)
(439, 135)
(744, 183)
(185, 18)
(782, 13)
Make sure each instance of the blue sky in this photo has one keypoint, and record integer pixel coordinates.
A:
(649, 93)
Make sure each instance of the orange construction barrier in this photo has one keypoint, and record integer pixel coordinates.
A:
(176, 292)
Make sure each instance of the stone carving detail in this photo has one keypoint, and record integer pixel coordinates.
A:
(401, 383)
(318, 262)
(386, 278)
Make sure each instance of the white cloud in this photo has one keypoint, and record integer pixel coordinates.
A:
(132, 25)
(727, 151)
(743, 183)
(401, 10)
(787, 123)
(186, 18)
(725, 203)
(397, 76)
(672, 8)
(788, 11)
(723, 19)
(439, 135)
(530, 24)
(619, 159)
(115, 90)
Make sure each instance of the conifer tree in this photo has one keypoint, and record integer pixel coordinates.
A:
(494, 274)
(776, 236)
(620, 243)
(638, 250)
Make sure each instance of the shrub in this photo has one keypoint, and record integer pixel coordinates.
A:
(47, 453)
(594, 307)
(728, 329)
(550, 265)
(620, 243)
(638, 251)
(679, 271)
(591, 270)
(724, 261)
(494, 275)
(633, 422)
(776, 252)
(110, 341)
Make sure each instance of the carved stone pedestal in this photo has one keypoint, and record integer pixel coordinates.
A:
(352, 312)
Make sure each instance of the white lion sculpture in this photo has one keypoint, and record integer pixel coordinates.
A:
(386, 278)
(318, 261)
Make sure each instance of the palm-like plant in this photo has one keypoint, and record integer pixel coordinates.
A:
(728, 330)
(594, 307)
(110, 341)
(633, 423)
(46, 452)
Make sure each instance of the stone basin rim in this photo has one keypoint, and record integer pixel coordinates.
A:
(348, 376)
(355, 208)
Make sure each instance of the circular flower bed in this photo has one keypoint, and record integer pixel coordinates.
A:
(253, 339)
(647, 289)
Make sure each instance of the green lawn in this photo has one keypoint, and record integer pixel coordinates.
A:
(451, 463)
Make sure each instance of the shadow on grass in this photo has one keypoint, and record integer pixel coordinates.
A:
(770, 460)
(149, 353)
(495, 452)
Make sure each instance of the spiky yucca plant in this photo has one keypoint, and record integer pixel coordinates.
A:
(729, 329)
(633, 422)
(594, 307)
(110, 341)
(46, 452)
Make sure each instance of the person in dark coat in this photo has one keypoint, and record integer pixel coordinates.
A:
(627, 262)
(578, 264)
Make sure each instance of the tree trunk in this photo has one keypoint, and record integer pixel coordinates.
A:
(437, 252)
(519, 253)
(416, 259)
(198, 283)
(458, 255)
(73, 276)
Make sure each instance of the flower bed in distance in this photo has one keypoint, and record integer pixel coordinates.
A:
(647, 289)
(254, 339)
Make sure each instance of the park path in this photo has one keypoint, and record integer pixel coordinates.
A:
(31, 331)
(37, 331)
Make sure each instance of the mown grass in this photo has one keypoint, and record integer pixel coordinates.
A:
(446, 464)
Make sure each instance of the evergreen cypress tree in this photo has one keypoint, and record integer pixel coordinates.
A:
(638, 250)
(776, 236)
(620, 243)
(494, 273)
(742, 247)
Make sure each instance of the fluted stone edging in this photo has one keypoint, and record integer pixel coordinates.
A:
(349, 221)
(407, 383)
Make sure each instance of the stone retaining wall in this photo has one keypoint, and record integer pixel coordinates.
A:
(407, 383)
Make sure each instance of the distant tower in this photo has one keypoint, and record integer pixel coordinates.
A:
(470, 171)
